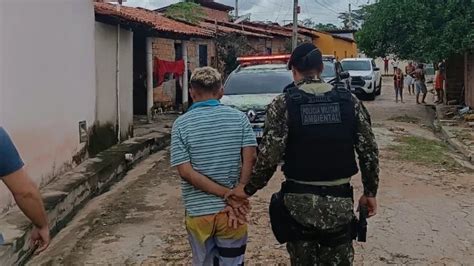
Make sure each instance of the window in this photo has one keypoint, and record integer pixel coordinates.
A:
(203, 55)
(257, 82)
(356, 65)
(373, 64)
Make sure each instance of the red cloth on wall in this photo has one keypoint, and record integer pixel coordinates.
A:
(162, 67)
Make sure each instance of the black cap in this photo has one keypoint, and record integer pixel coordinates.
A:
(306, 57)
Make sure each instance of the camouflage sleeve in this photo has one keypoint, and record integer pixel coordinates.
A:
(367, 150)
(272, 147)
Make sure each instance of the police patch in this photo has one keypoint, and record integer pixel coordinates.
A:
(317, 114)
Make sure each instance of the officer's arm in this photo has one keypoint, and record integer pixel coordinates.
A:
(272, 147)
(367, 150)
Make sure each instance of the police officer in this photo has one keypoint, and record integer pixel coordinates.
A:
(316, 129)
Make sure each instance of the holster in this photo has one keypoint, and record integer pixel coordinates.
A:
(287, 229)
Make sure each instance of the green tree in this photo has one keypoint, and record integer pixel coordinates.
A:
(325, 27)
(358, 17)
(425, 30)
(309, 23)
(229, 47)
(186, 11)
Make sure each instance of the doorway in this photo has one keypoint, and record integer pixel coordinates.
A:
(139, 75)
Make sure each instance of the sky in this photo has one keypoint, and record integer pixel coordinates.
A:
(320, 11)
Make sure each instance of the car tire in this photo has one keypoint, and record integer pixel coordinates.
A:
(371, 97)
(379, 91)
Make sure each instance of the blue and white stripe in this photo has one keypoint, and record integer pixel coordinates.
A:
(211, 139)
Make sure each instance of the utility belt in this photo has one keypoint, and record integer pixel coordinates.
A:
(287, 229)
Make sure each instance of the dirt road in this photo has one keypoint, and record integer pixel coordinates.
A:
(426, 208)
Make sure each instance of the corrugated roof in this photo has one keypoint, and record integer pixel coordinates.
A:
(225, 29)
(277, 29)
(315, 31)
(151, 19)
(259, 30)
(342, 38)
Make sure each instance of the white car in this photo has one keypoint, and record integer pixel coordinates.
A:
(366, 77)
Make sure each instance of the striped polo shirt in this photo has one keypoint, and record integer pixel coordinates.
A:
(210, 136)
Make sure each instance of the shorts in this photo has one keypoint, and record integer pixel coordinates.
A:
(214, 242)
(409, 80)
(421, 87)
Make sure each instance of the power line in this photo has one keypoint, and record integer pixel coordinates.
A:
(326, 7)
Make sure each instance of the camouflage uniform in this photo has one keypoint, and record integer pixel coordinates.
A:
(320, 212)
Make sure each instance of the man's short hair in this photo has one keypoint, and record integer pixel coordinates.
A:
(206, 79)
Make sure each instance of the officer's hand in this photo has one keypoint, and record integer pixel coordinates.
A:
(238, 192)
(370, 202)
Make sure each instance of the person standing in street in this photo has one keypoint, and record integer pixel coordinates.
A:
(214, 149)
(316, 129)
(394, 65)
(398, 84)
(410, 82)
(439, 81)
(385, 64)
(420, 84)
(24, 190)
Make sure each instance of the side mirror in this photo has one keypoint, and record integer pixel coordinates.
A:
(376, 69)
(344, 75)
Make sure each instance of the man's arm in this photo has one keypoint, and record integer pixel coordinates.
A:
(272, 147)
(367, 150)
(27, 197)
(249, 157)
(200, 181)
(25, 192)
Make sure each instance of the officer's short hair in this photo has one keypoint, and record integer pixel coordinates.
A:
(306, 58)
(206, 79)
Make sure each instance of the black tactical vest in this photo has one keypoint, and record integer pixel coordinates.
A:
(322, 131)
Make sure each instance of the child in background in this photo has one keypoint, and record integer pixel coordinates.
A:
(398, 84)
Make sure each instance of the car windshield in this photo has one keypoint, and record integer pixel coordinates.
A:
(257, 82)
(329, 69)
(356, 65)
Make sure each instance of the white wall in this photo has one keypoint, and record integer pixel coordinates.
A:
(47, 80)
(105, 44)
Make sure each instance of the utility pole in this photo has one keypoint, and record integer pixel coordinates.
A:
(295, 25)
(236, 9)
(350, 17)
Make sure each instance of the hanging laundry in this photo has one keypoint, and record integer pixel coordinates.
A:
(163, 67)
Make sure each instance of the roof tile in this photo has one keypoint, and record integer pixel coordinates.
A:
(152, 19)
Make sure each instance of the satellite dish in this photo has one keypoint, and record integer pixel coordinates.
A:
(242, 18)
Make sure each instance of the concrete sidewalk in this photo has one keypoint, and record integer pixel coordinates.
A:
(70, 192)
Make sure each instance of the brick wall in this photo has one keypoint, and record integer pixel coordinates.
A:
(259, 46)
(164, 50)
(216, 14)
(454, 77)
(280, 45)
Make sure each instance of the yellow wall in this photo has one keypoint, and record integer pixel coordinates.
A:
(344, 49)
(325, 43)
(339, 48)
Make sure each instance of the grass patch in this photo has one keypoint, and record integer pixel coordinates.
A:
(405, 119)
(424, 151)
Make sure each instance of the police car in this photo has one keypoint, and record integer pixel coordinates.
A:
(258, 80)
